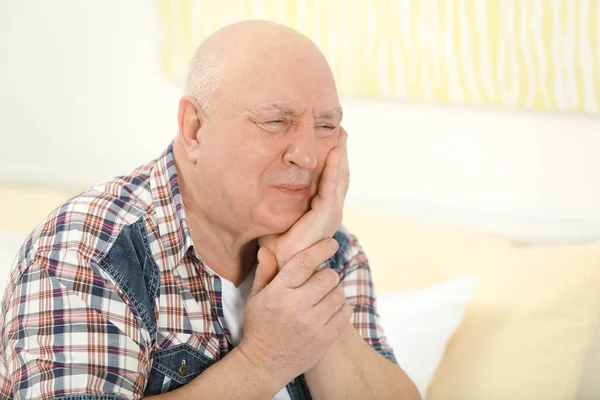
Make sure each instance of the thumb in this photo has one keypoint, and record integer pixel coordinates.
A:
(265, 271)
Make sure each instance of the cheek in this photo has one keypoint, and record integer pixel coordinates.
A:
(247, 171)
(248, 153)
(254, 169)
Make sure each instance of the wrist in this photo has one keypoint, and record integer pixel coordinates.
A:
(262, 370)
(344, 343)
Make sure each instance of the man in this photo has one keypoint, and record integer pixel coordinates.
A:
(218, 270)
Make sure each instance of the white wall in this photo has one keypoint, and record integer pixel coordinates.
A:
(82, 99)
(525, 175)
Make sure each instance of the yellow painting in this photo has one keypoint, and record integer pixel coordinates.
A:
(534, 54)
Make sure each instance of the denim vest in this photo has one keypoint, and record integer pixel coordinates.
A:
(131, 265)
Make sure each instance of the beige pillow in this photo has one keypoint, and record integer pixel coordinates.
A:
(412, 255)
(531, 322)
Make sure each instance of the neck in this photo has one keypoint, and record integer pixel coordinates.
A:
(228, 251)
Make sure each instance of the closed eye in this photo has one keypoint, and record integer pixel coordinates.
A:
(325, 130)
(275, 125)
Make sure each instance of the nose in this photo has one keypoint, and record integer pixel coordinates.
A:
(302, 150)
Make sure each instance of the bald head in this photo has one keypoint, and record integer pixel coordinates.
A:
(243, 49)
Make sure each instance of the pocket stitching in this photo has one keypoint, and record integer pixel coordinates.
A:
(188, 350)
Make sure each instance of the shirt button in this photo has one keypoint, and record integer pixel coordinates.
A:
(183, 370)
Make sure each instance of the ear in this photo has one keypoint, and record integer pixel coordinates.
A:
(190, 120)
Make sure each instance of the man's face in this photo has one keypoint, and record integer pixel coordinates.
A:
(264, 147)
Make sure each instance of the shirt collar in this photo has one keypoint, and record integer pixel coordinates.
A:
(170, 215)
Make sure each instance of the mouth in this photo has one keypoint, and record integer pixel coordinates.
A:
(294, 191)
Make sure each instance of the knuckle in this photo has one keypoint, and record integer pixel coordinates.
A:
(308, 327)
(292, 308)
(270, 304)
(327, 279)
(339, 296)
(304, 260)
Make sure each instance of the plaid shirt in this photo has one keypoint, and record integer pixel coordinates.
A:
(108, 298)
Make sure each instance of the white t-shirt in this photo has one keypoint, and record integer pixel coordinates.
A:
(234, 304)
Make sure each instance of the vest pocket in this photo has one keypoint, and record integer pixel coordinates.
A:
(174, 367)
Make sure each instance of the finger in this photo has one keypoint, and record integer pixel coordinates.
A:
(329, 177)
(329, 305)
(304, 264)
(344, 167)
(266, 270)
(318, 286)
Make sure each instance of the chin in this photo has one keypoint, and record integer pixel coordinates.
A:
(280, 219)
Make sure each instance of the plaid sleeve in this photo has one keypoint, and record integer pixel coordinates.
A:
(68, 334)
(356, 280)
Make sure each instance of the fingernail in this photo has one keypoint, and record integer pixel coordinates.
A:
(334, 244)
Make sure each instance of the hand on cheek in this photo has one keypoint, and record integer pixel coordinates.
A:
(325, 215)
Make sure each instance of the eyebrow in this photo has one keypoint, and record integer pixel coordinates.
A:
(335, 114)
(283, 108)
